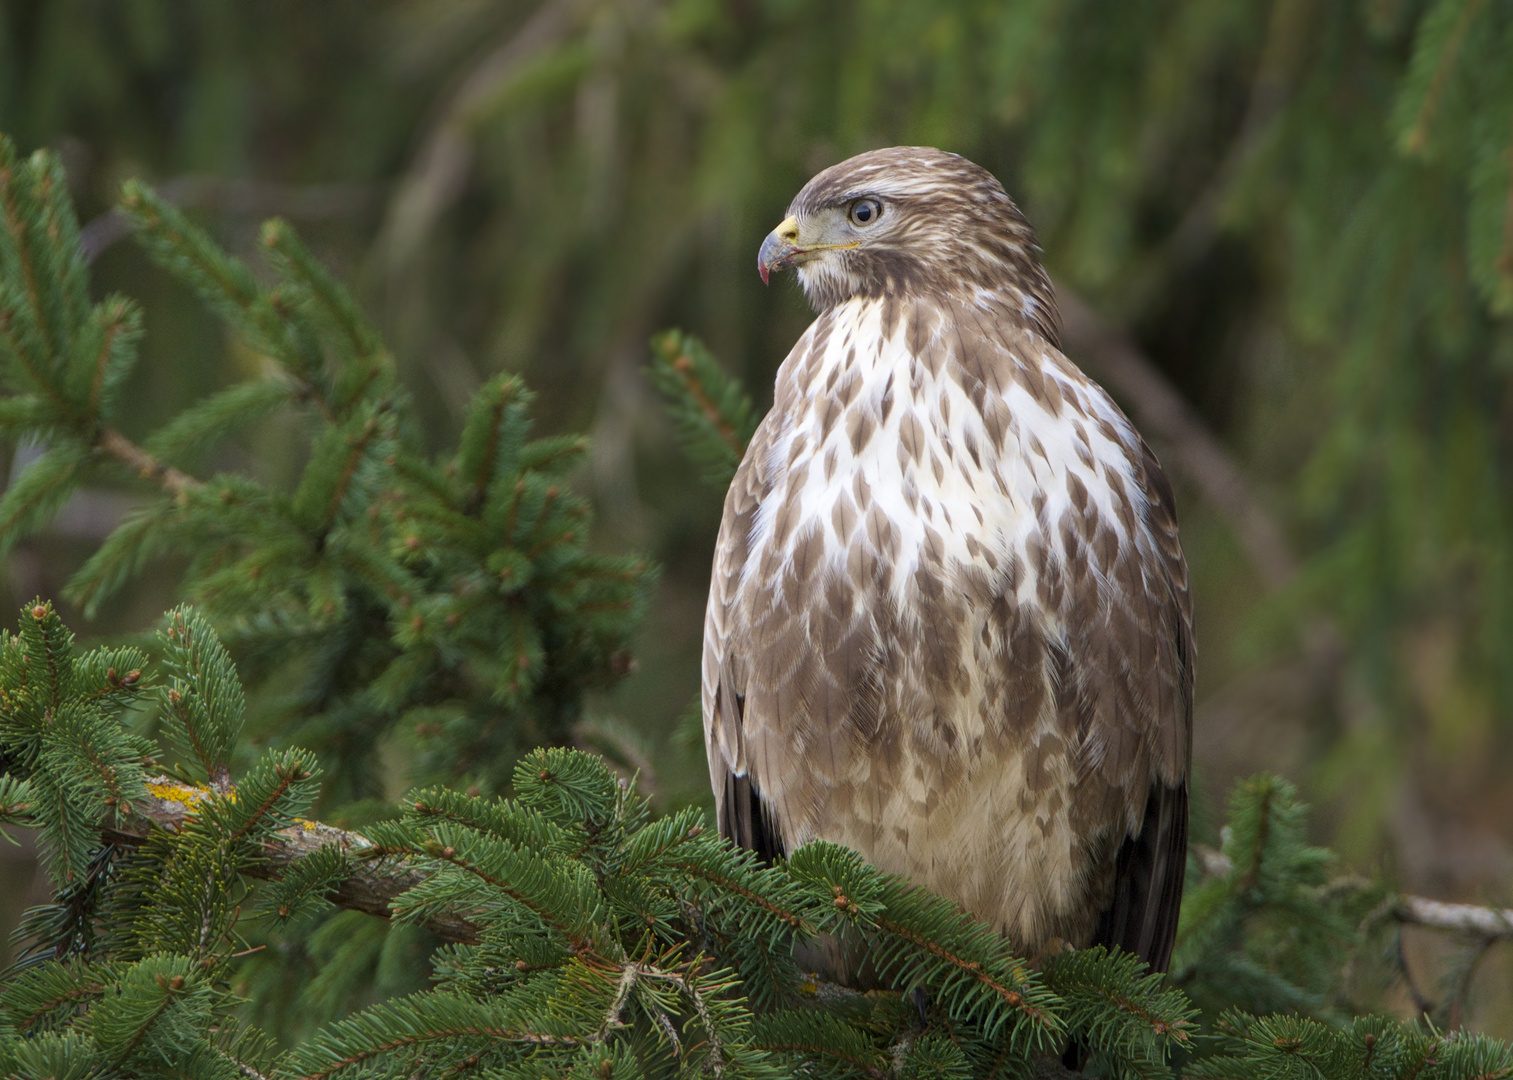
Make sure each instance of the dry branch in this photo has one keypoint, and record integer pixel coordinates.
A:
(259, 198)
(1472, 919)
(440, 169)
(1488, 923)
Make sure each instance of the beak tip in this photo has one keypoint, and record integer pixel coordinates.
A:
(762, 269)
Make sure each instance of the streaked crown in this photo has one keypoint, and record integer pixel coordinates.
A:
(913, 220)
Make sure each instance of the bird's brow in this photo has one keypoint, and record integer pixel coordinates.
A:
(845, 198)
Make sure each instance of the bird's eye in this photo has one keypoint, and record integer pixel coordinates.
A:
(865, 211)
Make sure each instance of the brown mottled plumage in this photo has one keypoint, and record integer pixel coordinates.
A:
(949, 622)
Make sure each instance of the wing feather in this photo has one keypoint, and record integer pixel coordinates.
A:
(742, 815)
(1152, 861)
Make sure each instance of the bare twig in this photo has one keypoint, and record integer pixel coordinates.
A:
(257, 197)
(129, 453)
(1421, 1004)
(1483, 922)
(1487, 923)
(1162, 412)
(440, 169)
(716, 1062)
(1270, 91)
(628, 977)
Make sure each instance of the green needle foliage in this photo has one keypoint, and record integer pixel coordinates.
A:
(1283, 1047)
(74, 768)
(125, 973)
(452, 598)
(446, 604)
(591, 938)
(1269, 933)
(711, 411)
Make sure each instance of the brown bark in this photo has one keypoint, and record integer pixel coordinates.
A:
(129, 453)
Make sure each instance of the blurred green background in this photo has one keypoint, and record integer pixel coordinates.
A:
(1298, 212)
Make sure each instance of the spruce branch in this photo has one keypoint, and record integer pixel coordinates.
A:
(398, 582)
(555, 1003)
(187, 251)
(16, 797)
(204, 702)
(403, 1025)
(128, 453)
(1474, 920)
(1113, 1007)
(1436, 56)
(711, 411)
(372, 884)
(810, 1035)
(33, 997)
(377, 878)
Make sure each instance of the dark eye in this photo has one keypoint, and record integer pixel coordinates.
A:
(865, 211)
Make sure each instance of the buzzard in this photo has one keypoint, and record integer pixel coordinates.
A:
(949, 623)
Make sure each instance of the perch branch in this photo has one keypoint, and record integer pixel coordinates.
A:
(376, 883)
(372, 887)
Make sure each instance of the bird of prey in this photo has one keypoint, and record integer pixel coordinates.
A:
(949, 623)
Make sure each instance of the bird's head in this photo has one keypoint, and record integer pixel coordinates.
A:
(911, 220)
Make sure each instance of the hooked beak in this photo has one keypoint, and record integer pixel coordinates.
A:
(780, 250)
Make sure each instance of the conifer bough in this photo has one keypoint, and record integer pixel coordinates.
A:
(453, 597)
(590, 937)
(170, 802)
